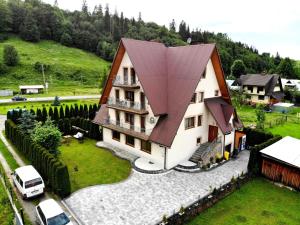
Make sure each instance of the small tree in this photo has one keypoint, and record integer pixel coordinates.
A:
(238, 68)
(61, 112)
(26, 122)
(10, 55)
(56, 101)
(47, 135)
(260, 117)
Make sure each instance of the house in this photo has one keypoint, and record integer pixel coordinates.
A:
(31, 89)
(232, 85)
(264, 89)
(281, 162)
(167, 103)
(290, 84)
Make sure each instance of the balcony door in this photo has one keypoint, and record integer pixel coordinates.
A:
(125, 73)
(129, 95)
(142, 124)
(117, 117)
(132, 75)
(142, 100)
(117, 93)
(129, 118)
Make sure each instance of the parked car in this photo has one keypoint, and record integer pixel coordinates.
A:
(18, 98)
(50, 213)
(28, 181)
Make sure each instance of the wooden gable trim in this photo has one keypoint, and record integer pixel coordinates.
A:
(112, 74)
(216, 61)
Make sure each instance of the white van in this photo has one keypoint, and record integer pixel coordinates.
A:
(28, 181)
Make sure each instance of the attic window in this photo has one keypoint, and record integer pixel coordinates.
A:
(216, 92)
(193, 100)
(204, 74)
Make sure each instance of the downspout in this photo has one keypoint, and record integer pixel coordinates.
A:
(165, 159)
(223, 144)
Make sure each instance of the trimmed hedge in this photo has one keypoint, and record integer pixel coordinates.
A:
(256, 137)
(54, 172)
(255, 160)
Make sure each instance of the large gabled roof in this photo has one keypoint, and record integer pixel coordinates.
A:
(169, 77)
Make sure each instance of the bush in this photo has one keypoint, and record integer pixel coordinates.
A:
(3, 68)
(66, 39)
(10, 55)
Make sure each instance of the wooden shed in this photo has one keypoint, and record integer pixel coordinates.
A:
(281, 162)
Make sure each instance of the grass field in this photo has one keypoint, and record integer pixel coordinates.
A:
(8, 156)
(70, 70)
(89, 165)
(257, 202)
(34, 105)
(290, 128)
(6, 213)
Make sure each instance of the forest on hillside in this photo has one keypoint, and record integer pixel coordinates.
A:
(99, 32)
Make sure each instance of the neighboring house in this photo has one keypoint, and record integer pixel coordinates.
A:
(264, 89)
(232, 85)
(31, 89)
(166, 103)
(290, 84)
(281, 162)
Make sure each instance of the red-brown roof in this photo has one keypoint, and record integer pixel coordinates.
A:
(221, 111)
(169, 77)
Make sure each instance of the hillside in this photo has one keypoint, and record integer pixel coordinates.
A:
(69, 68)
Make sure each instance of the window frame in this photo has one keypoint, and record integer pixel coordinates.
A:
(130, 144)
(259, 97)
(194, 98)
(250, 88)
(186, 122)
(200, 140)
(201, 119)
(201, 96)
(216, 93)
(115, 138)
(147, 144)
(259, 89)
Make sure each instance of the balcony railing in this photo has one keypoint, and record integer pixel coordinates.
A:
(126, 104)
(128, 126)
(120, 82)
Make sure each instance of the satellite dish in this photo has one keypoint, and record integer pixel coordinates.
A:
(189, 40)
(152, 120)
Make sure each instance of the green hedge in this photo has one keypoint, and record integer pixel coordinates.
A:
(54, 172)
(256, 137)
(255, 161)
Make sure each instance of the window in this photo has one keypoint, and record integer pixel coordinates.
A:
(130, 140)
(146, 146)
(189, 122)
(250, 88)
(116, 135)
(117, 93)
(125, 73)
(32, 183)
(129, 118)
(193, 100)
(201, 97)
(199, 120)
(198, 141)
(204, 74)
(132, 74)
(216, 92)
(41, 214)
(260, 89)
(261, 97)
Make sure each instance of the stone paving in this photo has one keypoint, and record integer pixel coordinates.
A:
(144, 198)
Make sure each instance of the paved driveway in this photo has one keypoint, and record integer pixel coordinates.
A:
(145, 198)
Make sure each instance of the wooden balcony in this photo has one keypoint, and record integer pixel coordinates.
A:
(117, 82)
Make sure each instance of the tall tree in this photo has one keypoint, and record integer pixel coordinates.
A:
(107, 19)
(5, 17)
(29, 30)
(10, 55)
(238, 68)
(172, 26)
(286, 69)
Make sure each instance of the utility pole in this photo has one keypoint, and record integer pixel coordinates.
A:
(46, 85)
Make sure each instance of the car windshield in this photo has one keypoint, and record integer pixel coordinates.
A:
(34, 182)
(60, 219)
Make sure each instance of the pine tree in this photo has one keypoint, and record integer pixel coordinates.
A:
(172, 27)
(39, 115)
(55, 114)
(72, 112)
(61, 112)
(85, 111)
(67, 112)
(29, 30)
(50, 113)
(76, 111)
(91, 112)
(44, 114)
(107, 19)
(81, 113)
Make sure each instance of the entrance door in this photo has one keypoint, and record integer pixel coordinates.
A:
(212, 133)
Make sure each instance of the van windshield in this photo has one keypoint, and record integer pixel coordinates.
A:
(60, 219)
(34, 182)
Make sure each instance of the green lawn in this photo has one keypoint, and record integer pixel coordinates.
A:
(8, 156)
(89, 165)
(290, 128)
(70, 70)
(257, 203)
(34, 105)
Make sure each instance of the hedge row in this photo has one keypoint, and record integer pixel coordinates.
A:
(65, 126)
(54, 172)
(255, 161)
(256, 137)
